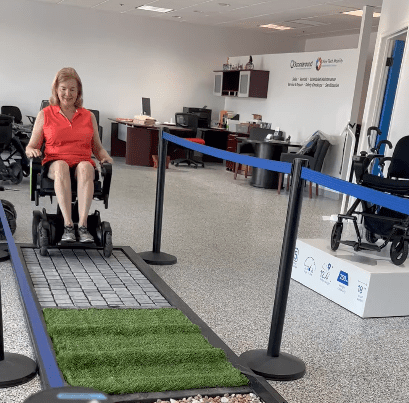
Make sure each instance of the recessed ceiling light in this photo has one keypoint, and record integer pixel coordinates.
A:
(359, 13)
(274, 26)
(157, 9)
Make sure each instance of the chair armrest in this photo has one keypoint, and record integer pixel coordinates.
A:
(35, 169)
(32, 119)
(106, 172)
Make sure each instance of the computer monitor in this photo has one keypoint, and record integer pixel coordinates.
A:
(146, 106)
(205, 115)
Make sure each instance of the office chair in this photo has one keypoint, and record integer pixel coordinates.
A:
(315, 152)
(188, 121)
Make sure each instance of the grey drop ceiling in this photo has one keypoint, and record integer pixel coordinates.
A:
(308, 18)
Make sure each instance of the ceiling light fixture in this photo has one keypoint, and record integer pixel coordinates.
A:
(157, 9)
(274, 26)
(359, 13)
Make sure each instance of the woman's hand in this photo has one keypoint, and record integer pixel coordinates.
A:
(106, 159)
(33, 152)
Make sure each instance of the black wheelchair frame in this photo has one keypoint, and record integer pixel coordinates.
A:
(379, 222)
(47, 229)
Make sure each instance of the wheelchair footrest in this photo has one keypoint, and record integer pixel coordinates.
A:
(362, 246)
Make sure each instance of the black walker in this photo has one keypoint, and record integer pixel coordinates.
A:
(379, 222)
(48, 228)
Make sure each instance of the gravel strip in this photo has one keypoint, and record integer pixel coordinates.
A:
(233, 398)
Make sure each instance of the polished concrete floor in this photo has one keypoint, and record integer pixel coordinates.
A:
(227, 237)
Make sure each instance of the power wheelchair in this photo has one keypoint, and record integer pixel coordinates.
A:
(379, 222)
(47, 229)
(12, 168)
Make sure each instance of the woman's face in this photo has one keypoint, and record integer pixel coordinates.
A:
(67, 93)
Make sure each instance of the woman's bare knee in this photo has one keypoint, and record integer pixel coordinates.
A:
(85, 171)
(59, 170)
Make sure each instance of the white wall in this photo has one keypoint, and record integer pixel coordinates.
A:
(394, 19)
(120, 58)
(299, 107)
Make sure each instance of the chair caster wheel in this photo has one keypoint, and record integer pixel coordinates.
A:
(107, 238)
(43, 251)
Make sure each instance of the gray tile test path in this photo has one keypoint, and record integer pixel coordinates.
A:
(84, 278)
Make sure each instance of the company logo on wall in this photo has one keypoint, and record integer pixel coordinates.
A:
(301, 65)
(318, 64)
(343, 277)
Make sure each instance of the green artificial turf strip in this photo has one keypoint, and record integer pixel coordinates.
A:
(123, 351)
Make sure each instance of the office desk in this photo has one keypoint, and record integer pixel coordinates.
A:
(137, 143)
(270, 150)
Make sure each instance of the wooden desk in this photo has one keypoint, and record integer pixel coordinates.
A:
(216, 138)
(142, 142)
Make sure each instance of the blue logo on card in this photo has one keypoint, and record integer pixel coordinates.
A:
(343, 277)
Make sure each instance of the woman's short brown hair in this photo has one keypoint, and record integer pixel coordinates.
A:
(67, 73)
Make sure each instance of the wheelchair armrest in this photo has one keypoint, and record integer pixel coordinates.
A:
(106, 172)
(35, 169)
(361, 164)
(32, 119)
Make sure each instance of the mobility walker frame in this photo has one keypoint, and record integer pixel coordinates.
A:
(379, 222)
(47, 229)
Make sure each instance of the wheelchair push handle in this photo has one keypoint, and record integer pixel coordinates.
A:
(387, 142)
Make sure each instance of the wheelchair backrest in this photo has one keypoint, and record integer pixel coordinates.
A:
(6, 130)
(13, 111)
(399, 166)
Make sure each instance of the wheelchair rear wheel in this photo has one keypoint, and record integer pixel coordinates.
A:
(336, 235)
(399, 250)
(16, 173)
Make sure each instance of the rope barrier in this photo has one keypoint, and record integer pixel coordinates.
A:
(360, 192)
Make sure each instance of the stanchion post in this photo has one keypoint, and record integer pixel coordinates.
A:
(156, 257)
(15, 369)
(272, 363)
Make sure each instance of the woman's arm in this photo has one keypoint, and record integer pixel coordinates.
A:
(37, 137)
(99, 151)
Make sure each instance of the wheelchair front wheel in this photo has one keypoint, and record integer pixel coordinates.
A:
(399, 251)
(16, 175)
(336, 235)
(107, 238)
(370, 236)
(35, 229)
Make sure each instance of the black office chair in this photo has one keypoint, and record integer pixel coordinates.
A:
(188, 121)
(315, 152)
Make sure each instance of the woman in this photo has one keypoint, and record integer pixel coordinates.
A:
(71, 134)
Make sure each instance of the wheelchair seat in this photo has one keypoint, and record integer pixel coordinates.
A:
(48, 228)
(380, 222)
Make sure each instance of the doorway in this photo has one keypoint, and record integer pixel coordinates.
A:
(393, 63)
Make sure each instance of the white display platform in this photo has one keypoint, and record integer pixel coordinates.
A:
(366, 283)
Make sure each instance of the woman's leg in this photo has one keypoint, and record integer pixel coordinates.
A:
(59, 172)
(85, 179)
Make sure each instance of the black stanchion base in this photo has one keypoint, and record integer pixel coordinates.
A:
(68, 393)
(4, 252)
(16, 369)
(158, 258)
(285, 367)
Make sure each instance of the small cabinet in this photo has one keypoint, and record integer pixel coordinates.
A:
(241, 83)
